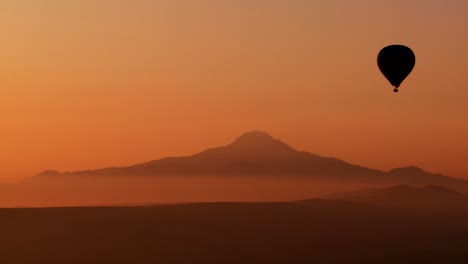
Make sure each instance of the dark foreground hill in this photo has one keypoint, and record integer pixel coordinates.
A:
(318, 231)
(432, 197)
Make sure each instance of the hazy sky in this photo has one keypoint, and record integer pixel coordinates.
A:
(88, 84)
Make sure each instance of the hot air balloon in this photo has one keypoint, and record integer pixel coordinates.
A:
(396, 62)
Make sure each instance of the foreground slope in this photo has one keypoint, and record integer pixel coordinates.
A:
(319, 231)
(432, 197)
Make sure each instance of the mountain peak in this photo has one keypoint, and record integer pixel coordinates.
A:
(259, 142)
(49, 173)
(254, 136)
(408, 170)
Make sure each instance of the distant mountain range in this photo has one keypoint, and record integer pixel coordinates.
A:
(257, 153)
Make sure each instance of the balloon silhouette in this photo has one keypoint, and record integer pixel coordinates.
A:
(396, 62)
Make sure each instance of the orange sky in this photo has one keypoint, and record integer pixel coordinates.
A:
(89, 84)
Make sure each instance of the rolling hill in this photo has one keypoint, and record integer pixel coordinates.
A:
(432, 197)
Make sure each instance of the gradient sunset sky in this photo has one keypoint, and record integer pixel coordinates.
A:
(88, 84)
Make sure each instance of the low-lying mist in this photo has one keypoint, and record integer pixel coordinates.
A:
(129, 190)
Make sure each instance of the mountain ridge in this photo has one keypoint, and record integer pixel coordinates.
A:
(253, 152)
(258, 153)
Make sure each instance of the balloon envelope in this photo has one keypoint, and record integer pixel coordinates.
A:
(396, 62)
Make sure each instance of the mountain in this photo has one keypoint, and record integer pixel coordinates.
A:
(418, 177)
(254, 153)
(257, 153)
(415, 175)
(432, 197)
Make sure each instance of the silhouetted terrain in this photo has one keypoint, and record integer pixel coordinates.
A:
(257, 153)
(254, 153)
(255, 167)
(435, 198)
(314, 231)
